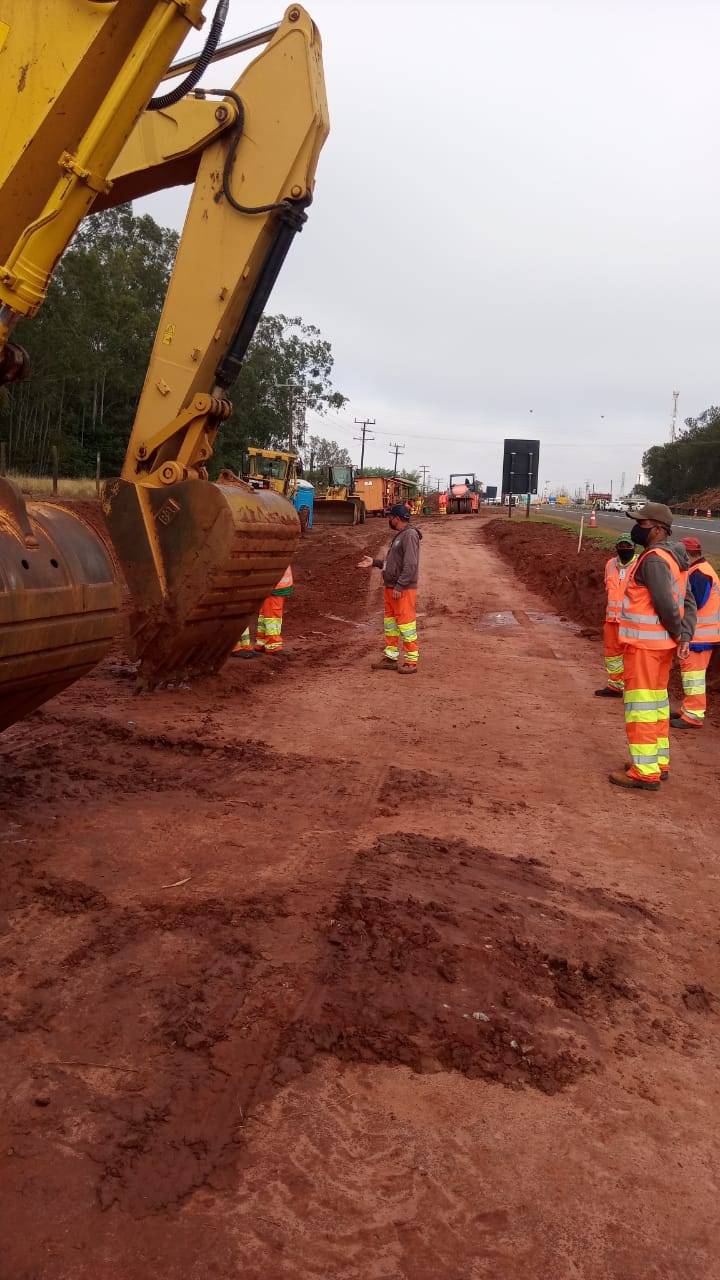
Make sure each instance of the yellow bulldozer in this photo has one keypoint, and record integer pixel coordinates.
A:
(339, 502)
(85, 129)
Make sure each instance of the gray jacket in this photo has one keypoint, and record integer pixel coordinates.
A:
(402, 563)
(654, 574)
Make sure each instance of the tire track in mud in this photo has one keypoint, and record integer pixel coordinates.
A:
(216, 978)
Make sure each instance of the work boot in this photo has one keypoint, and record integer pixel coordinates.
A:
(385, 664)
(622, 779)
(664, 773)
(409, 669)
(607, 692)
(243, 653)
(677, 722)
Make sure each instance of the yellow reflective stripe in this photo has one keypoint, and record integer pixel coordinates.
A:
(614, 665)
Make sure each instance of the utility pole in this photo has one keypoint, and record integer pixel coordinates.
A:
(396, 449)
(363, 423)
(423, 482)
(673, 432)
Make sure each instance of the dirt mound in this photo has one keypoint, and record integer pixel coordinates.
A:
(546, 559)
(709, 499)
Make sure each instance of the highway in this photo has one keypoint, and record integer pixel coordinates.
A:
(708, 531)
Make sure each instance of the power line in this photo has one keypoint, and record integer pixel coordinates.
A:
(423, 481)
(364, 423)
(494, 440)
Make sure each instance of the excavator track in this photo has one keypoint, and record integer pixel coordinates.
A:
(59, 601)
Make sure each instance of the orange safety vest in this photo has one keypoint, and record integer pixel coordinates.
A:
(640, 626)
(616, 574)
(707, 628)
(285, 585)
(442, 499)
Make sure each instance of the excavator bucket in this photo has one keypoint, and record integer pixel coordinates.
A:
(199, 559)
(338, 511)
(59, 600)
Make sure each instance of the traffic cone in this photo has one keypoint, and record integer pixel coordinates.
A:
(593, 520)
(708, 514)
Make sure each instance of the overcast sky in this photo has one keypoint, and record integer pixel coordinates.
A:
(515, 227)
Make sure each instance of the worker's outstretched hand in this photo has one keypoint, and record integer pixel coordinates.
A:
(365, 563)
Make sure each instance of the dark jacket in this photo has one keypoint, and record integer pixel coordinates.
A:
(654, 574)
(402, 563)
(701, 586)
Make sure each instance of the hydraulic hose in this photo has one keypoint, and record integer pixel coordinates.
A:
(204, 59)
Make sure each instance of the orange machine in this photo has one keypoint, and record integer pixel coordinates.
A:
(463, 494)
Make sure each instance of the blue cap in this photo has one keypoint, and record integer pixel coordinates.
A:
(399, 510)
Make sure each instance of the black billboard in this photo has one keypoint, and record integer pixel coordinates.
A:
(521, 462)
(490, 492)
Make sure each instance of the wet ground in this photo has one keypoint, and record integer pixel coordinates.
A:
(314, 971)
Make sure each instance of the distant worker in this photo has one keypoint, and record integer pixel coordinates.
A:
(616, 572)
(442, 503)
(400, 576)
(268, 637)
(657, 619)
(705, 586)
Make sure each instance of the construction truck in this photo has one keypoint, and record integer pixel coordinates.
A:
(464, 494)
(273, 469)
(281, 471)
(339, 502)
(83, 131)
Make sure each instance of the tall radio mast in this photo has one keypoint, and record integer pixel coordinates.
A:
(673, 424)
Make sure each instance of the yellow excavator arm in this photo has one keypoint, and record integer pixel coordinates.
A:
(198, 557)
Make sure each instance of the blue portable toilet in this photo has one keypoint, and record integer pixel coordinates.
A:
(304, 498)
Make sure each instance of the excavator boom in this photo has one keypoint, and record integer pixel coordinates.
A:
(198, 557)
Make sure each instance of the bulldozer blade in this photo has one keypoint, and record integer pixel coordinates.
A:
(336, 511)
(199, 559)
(59, 601)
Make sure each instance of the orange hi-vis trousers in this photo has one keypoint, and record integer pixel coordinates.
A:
(269, 628)
(614, 660)
(693, 670)
(401, 625)
(647, 711)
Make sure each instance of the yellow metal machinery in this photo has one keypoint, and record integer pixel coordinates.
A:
(338, 503)
(273, 469)
(81, 133)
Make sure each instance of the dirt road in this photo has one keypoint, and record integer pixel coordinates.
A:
(313, 971)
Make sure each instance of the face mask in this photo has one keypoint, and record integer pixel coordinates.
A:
(640, 535)
(625, 554)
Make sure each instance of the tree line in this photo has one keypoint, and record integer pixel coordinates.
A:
(91, 341)
(689, 465)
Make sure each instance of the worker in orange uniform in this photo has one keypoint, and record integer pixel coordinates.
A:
(657, 619)
(442, 503)
(400, 574)
(616, 572)
(268, 636)
(705, 586)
